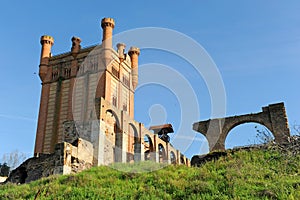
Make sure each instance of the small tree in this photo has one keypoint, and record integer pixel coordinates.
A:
(4, 169)
(14, 159)
(264, 136)
(296, 129)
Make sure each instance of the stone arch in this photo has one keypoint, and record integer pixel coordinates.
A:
(136, 143)
(162, 153)
(273, 117)
(182, 160)
(114, 114)
(172, 157)
(249, 135)
(114, 138)
(149, 148)
(229, 126)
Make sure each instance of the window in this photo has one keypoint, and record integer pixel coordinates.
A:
(54, 73)
(124, 107)
(67, 72)
(115, 72)
(114, 101)
(126, 81)
(93, 63)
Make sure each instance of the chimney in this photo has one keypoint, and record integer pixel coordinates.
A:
(46, 42)
(134, 53)
(121, 51)
(75, 46)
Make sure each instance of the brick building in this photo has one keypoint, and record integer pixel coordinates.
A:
(88, 93)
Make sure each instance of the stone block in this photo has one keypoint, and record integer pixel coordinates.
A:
(85, 151)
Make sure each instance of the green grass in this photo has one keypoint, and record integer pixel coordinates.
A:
(256, 174)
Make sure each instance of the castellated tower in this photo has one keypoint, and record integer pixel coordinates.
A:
(88, 94)
(63, 74)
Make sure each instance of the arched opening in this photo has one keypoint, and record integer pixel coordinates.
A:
(182, 161)
(172, 157)
(113, 146)
(135, 143)
(162, 153)
(148, 146)
(247, 134)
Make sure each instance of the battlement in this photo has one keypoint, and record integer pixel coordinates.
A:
(107, 22)
(134, 50)
(47, 39)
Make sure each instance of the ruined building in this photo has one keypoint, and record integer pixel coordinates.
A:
(88, 93)
(86, 115)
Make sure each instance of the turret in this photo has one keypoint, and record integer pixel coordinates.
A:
(75, 46)
(107, 25)
(134, 53)
(121, 51)
(46, 42)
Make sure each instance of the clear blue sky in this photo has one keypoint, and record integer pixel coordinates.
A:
(255, 45)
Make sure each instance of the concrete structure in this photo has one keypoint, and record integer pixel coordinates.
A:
(273, 117)
(88, 93)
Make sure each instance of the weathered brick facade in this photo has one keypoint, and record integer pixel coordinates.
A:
(88, 93)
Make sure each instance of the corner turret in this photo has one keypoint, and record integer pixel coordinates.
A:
(107, 25)
(47, 43)
(134, 53)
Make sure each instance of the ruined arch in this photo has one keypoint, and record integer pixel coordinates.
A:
(182, 160)
(114, 136)
(240, 121)
(162, 153)
(136, 143)
(149, 148)
(113, 114)
(172, 157)
(273, 117)
(245, 134)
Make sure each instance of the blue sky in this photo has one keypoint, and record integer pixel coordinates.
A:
(255, 45)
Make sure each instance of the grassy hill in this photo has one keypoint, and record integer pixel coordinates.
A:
(256, 174)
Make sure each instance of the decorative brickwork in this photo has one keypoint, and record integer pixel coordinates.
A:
(88, 96)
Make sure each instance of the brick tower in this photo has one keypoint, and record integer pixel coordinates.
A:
(74, 82)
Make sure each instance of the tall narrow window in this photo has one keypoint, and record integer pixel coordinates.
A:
(126, 80)
(114, 93)
(115, 72)
(114, 101)
(125, 99)
(125, 107)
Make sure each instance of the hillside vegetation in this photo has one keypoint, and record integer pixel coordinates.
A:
(245, 174)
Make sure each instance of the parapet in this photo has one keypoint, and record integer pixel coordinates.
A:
(47, 39)
(134, 50)
(107, 22)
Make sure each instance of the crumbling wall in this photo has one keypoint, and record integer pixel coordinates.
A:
(66, 159)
